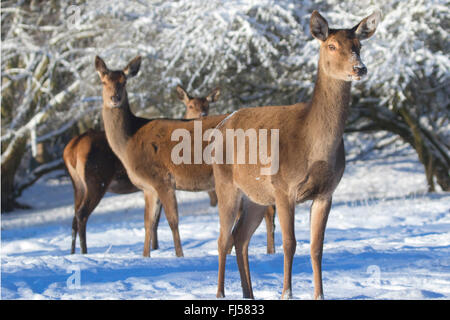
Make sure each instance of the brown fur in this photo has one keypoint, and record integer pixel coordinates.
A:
(311, 163)
(144, 147)
(95, 169)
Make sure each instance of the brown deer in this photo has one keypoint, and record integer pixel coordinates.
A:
(311, 157)
(144, 146)
(94, 169)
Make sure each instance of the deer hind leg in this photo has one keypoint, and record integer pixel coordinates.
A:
(286, 211)
(82, 217)
(81, 225)
(238, 216)
(229, 198)
(251, 217)
(155, 244)
(169, 202)
(269, 218)
(151, 219)
(78, 194)
(74, 234)
(95, 189)
(80, 205)
(320, 209)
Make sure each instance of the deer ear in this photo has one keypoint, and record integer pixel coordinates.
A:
(366, 28)
(182, 94)
(133, 67)
(213, 96)
(100, 66)
(318, 26)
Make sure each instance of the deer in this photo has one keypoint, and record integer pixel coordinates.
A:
(94, 170)
(310, 152)
(144, 147)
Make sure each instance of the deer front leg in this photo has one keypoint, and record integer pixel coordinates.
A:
(286, 211)
(212, 198)
(269, 218)
(152, 206)
(320, 209)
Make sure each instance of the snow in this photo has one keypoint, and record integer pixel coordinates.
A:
(386, 239)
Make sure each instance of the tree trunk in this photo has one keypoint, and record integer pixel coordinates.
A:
(433, 158)
(10, 164)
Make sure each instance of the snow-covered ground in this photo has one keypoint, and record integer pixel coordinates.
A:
(386, 239)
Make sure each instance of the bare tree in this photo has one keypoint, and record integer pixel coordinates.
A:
(42, 60)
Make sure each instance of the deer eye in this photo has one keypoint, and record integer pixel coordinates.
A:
(331, 47)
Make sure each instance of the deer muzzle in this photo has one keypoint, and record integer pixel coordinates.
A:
(360, 70)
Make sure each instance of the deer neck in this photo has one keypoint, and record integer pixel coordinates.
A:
(120, 125)
(328, 114)
(188, 116)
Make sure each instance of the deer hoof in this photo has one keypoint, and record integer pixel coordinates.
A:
(286, 295)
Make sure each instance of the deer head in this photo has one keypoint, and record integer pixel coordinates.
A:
(340, 48)
(197, 107)
(114, 82)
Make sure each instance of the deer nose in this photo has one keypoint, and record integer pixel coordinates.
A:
(360, 70)
(115, 98)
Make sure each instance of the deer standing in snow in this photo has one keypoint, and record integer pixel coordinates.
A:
(311, 157)
(144, 147)
(94, 169)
